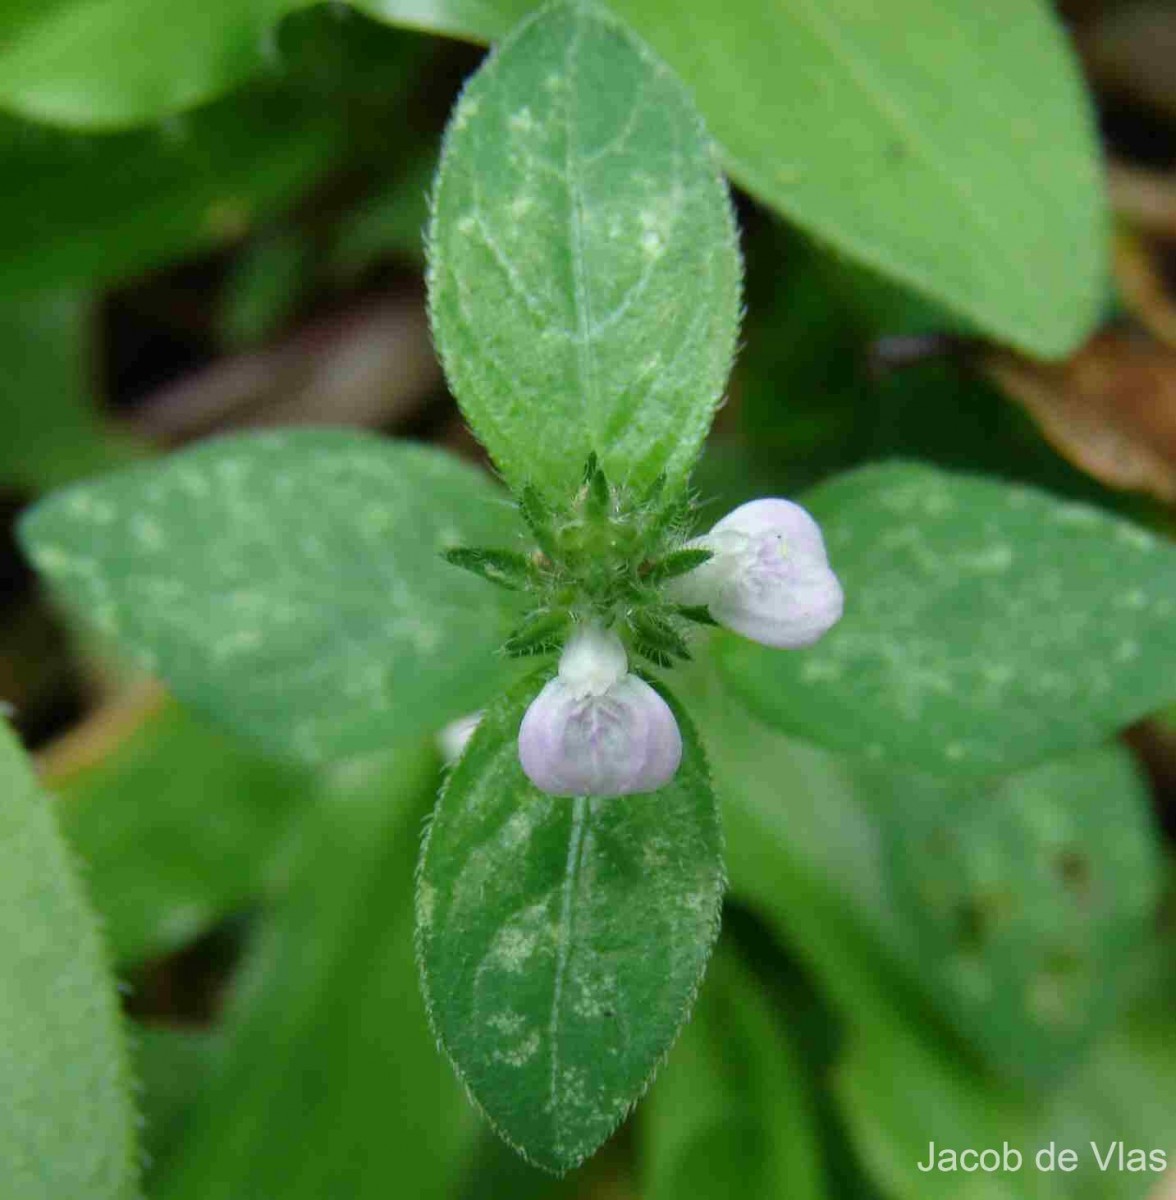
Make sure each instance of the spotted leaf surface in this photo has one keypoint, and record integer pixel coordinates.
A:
(987, 626)
(291, 584)
(1027, 900)
(561, 940)
(66, 1117)
(584, 272)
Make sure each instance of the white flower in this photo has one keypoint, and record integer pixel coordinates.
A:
(769, 579)
(453, 739)
(596, 730)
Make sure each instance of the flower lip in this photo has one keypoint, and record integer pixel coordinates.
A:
(596, 730)
(770, 578)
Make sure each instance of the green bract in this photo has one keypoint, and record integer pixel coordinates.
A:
(603, 558)
(291, 584)
(987, 626)
(561, 941)
(66, 1118)
(583, 269)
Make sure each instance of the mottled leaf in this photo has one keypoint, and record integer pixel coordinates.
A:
(987, 626)
(921, 144)
(1026, 902)
(584, 273)
(1019, 907)
(561, 940)
(291, 584)
(66, 1118)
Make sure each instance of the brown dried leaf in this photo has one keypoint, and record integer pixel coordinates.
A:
(1146, 199)
(1143, 288)
(1110, 408)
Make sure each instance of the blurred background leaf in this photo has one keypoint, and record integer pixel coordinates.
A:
(176, 824)
(326, 1081)
(50, 429)
(870, 108)
(729, 1113)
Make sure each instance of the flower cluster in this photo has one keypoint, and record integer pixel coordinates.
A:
(613, 573)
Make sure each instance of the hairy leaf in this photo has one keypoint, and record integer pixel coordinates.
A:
(66, 1119)
(561, 940)
(291, 584)
(584, 273)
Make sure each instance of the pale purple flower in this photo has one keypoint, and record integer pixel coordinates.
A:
(769, 578)
(596, 730)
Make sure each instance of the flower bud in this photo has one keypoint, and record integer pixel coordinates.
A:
(596, 730)
(769, 579)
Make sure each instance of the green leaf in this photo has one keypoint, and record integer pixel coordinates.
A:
(949, 146)
(1026, 902)
(729, 1115)
(171, 1064)
(889, 1056)
(653, 633)
(801, 847)
(290, 584)
(77, 209)
(987, 626)
(66, 1122)
(265, 287)
(119, 62)
(390, 223)
(1019, 907)
(176, 825)
(328, 1083)
(561, 941)
(1121, 1093)
(584, 273)
(50, 431)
